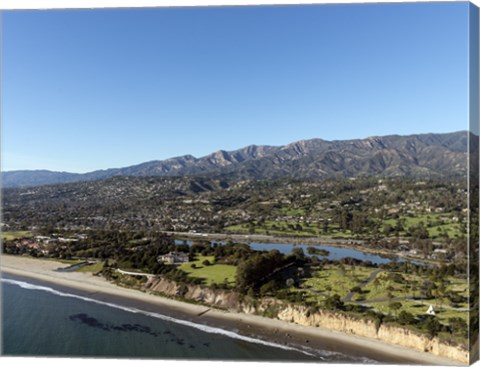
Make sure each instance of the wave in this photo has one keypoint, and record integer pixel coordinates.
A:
(205, 328)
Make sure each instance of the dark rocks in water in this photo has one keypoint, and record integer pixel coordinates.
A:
(93, 322)
(90, 321)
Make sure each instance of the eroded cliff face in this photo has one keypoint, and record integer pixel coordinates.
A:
(386, 333)
(218, 298)
(303, 315)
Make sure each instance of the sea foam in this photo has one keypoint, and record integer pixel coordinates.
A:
(321, 354)
(204, 328)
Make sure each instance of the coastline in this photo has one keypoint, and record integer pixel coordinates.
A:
(249, 325)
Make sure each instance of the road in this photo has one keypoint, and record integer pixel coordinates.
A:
(348, 297)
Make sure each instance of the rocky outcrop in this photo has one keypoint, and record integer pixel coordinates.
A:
(217, 298)
(305, 316)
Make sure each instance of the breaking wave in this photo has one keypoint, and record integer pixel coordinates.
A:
(205, 328)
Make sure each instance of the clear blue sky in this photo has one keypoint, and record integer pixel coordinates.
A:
(85, 90)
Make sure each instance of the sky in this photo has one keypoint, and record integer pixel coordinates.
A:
(93, 89)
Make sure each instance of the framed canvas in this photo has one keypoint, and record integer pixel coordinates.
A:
(258, 182)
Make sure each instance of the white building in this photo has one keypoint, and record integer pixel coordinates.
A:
(173, 258)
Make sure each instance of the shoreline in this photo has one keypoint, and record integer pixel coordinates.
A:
(262, 328)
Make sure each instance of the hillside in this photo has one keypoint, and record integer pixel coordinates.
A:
(421, 155)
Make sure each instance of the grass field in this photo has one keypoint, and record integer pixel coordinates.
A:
(332, 280)
(15, 235)
(292, 212)
(381, 291)
(216, 273)
(279, 228)
(436, 224)
(432, 222)
(384, 286)
(94, 268)
(418, 308)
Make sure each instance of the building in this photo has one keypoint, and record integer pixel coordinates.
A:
(173, 258)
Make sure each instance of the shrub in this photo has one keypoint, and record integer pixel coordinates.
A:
(182, 290)
(334, 303)
(406, 318)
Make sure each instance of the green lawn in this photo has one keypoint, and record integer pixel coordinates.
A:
(216, 273)
(457, 285)
(332, 280)
(383, 285)
(94, 268)
(436, 224)
(419, 308)
(431, 222)
(409, 285)
(280, 228)
(15, 235)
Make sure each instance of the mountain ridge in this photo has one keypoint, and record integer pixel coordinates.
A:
(390, 155)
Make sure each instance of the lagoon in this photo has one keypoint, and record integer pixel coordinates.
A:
(335, 253)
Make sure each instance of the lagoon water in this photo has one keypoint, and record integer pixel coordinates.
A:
(335, 253)
(42, 320)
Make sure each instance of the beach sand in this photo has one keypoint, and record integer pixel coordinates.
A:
(267, 329)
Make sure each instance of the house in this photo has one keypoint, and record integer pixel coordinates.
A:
(439, 253)
(173, 258)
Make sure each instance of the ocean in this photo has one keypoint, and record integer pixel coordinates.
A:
(48, 320)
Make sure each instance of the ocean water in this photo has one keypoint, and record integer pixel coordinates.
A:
(43, 320)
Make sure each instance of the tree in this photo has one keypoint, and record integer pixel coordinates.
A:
(395, 306)
(387, 229)
(458, 325)
(268, 288)
(334, 303)
(376, 283)
(325, 227)
(429, 292)
(406, 318)
(356, 289)
(258, 269)
(433, 326)
(298, 253)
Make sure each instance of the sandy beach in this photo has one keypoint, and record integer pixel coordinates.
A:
(250, 325)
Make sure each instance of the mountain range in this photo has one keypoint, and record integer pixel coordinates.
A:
(420, 155)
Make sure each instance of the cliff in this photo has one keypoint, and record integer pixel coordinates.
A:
(302, 315)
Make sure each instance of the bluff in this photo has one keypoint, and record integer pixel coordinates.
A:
(305, 316)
